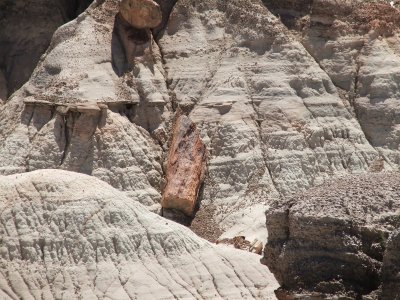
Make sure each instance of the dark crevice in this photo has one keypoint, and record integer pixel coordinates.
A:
(67, 138)
(289, 12)
(166, 8)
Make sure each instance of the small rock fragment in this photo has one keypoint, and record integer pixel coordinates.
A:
(256, 247)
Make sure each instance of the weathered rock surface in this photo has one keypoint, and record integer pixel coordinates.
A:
(357, 44)
(3, 88)
(332, 238)
(282, 104)
(391, 268)
(269, 113)
(70, 236)
(141, 13)
(186, 166)
(79, 113)
(26, 30)
(271, 118)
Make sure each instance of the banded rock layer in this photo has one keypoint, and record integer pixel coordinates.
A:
(71, 236)
(272, 119)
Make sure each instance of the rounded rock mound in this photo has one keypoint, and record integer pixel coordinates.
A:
(66, 235)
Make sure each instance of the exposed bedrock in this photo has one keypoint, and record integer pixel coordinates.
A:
(332, 239)
(357, 44)
(66, 235)
(185, 169)
(78, 113)
(391, 268)
(271, 118)
(26, 28)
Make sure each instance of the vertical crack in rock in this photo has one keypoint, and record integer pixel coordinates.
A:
(141, 13)
(168, 81)
(67, 137)
(258, 123)
(186, 165)
(312, 23)
(138, 25)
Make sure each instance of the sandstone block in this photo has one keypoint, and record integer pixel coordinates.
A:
(185, 167)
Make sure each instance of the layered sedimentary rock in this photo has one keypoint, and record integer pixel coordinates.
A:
(108, 133)
(284, 94)
(186, 166)
(356, 43)
(70, 236)
(271, 118)
(332, 238)
(26, 31)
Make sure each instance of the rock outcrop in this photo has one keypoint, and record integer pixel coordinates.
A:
(66, 235)
(186, 166)
(391, 268)
(26, 30)
(274, 118)
(332, 238)
(284, 95)
(80, 113)
(356, 43)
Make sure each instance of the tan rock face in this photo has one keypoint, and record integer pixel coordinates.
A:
(186, 166)
(141, 13)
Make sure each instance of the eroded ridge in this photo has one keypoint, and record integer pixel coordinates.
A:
(68, 235)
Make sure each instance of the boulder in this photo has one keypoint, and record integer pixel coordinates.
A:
(185, 167)
(141, 13)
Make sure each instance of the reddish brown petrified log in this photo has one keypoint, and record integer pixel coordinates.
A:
(185, 167)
